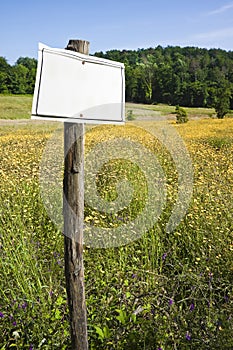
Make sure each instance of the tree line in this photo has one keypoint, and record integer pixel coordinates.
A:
(189, 76)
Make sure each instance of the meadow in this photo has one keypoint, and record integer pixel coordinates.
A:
(162, 291)
(15, 106)
(19, 107)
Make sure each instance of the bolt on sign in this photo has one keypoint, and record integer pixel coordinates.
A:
(73, 87)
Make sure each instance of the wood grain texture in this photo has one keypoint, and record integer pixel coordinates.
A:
(73, 212)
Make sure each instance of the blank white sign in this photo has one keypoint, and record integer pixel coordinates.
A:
(73, 87)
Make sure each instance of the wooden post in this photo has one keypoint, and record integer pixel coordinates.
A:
(73, 211)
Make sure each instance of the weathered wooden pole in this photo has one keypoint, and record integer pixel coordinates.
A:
(73, 211)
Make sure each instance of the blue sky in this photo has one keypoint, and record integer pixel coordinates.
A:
(118, 24)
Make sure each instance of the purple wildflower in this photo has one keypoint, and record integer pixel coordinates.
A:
(1, 315)
(14, 323)
(171, 301)
(24, 305)
(191, 307)
(188, 336)
(31, 347)
(164, 256)
(133, 275)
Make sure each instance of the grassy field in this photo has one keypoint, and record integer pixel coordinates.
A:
(163, 291)
(15, 107)
(19, 107)
(166, 110)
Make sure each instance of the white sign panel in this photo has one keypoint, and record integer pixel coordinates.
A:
(73, 87)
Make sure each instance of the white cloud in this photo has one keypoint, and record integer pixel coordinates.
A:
(221, 9)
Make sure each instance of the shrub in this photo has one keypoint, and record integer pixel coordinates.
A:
(222, 100)
(181, 115)
(130, 115)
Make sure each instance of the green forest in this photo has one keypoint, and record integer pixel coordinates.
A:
(19, 78)
(188, 76)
